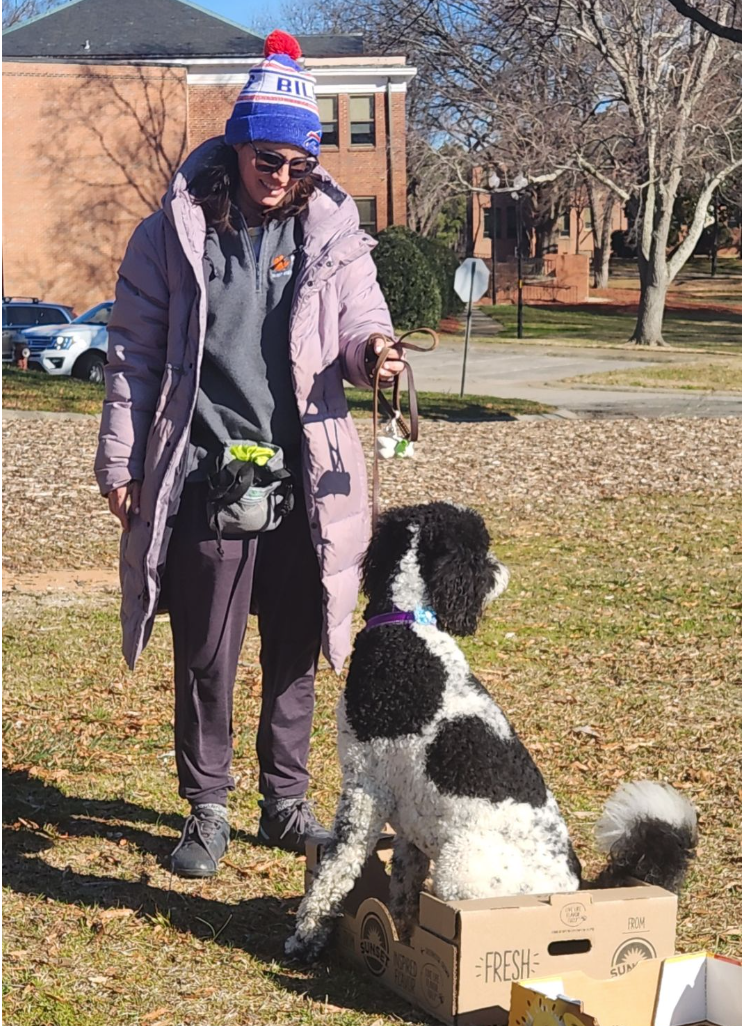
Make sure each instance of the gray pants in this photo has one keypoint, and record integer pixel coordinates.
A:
(209, 597)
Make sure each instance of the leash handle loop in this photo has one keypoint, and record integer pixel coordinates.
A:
(393, 409)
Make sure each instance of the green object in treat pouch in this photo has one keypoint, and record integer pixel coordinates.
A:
(250, 489)
(258, 454)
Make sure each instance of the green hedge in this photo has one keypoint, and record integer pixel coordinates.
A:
(444, 264)
(409, 284)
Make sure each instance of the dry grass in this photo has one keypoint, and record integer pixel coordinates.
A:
(35, 390)
(623, 616)
(706, 376)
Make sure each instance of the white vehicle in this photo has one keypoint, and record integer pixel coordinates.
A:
(79, 348)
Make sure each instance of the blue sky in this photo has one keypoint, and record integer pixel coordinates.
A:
(244, 12)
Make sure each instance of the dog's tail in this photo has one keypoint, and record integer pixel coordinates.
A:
(649, 832)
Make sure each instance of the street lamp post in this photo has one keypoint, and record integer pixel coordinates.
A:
(494, 182)
(520, 182)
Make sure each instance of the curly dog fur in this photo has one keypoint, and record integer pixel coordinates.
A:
(424, 747)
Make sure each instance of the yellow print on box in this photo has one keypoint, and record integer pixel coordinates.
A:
(544, 1012)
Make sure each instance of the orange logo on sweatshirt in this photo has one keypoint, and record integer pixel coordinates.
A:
(280, 264)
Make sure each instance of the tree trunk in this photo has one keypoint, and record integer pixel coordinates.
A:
(715, 237)
(648, 330)
(601, 266)
(602, 257)
(601, 209)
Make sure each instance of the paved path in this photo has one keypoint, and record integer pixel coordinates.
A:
(527, 372)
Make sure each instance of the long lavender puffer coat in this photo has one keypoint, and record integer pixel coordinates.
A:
(155, 344)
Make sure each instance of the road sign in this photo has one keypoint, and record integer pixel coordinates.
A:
(470, 283)
(471, 280)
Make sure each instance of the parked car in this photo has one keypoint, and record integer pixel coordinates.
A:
(27, 313)
(79, 348)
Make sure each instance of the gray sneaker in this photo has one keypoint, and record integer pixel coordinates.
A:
(204, 841)
(289, 824)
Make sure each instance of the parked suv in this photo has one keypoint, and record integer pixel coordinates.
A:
(79, 348)
(27, 313)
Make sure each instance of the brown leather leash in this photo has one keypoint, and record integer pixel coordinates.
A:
(393, 409)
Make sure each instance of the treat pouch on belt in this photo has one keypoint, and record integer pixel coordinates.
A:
(250, 489)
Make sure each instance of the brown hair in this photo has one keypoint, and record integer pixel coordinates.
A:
(214, 187)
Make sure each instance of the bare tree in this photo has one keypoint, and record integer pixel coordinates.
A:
(679, 92)
(712, 24)
(627, 91)
(17, 11)
(602, 203)
(316, 19)
(432, 181)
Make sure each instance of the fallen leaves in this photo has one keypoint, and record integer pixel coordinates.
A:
(520, 465)
(614, 653)
(587, 730)
(156, 1014)
(98, 922)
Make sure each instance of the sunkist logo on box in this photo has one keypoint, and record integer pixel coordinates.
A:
(374, 944)
(629, 953)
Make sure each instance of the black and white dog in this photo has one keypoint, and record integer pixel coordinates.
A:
(425, 748)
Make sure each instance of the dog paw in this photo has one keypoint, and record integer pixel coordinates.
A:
(304, 949)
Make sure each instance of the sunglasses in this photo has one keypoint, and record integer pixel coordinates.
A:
(268, 162)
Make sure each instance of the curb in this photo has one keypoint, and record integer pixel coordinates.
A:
(560, 413)
(46, 415)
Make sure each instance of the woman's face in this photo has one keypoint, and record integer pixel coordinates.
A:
(266, 189)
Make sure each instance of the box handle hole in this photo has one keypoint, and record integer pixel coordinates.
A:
(569, 947)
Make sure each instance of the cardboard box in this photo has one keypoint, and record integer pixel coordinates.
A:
(464, 956)
(686, 990)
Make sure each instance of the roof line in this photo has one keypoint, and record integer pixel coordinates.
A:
(218, 17)
(136, 60)
(38, 17)
(186, 3)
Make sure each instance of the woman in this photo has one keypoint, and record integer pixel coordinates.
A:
(241, 306)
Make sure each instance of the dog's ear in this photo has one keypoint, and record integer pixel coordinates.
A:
(390, 541)
(458, 576)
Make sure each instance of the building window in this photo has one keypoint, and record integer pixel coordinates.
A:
(328, 115)
(488, 223)
(367, 213)
(587, 219)
(510, 226)
(362, 124)
(564, 224)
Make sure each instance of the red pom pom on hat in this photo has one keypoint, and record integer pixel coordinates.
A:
(282, 42)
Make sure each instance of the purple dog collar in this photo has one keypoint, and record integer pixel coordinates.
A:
(425, 617)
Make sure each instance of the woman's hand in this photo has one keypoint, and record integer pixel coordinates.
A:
(117, 502)
(393, 364)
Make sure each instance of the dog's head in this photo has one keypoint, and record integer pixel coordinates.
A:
(433, 556)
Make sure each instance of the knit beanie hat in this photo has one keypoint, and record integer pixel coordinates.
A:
(277, 103)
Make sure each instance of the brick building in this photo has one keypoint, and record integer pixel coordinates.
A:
(572, 232)
(103, 99)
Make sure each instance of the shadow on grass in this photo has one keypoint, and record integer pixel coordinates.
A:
(440, 406)
(258, 926)
(34, 390)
